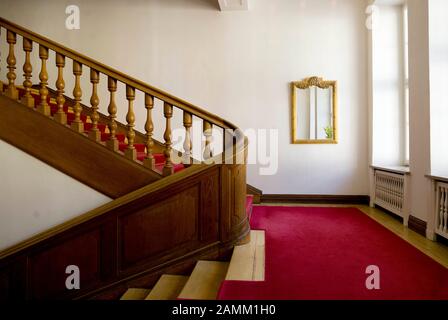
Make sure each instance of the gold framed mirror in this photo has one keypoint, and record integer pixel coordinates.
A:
(314, 111)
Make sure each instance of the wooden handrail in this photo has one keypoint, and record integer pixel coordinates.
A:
(102, 68)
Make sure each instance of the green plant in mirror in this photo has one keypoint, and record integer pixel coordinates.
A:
(328, 132)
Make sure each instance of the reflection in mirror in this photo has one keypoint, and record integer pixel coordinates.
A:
(314, 111)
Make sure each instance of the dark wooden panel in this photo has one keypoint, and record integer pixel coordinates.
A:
(5, 286)
(417, 225)
(47, 268)
(13, 278)
(160, 227)
(70, 152)
(210, 210)
(315, 198)
(234, 218)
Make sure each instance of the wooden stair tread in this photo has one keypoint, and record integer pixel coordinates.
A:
(205, 280)
(167, 288)
(248, 261)
(135, 294)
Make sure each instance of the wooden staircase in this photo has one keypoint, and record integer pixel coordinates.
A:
(247, 264)
(171, 208)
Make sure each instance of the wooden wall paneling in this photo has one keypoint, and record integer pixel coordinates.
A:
(210, 207)
(47, 267)
(174, 225)
(160, 228)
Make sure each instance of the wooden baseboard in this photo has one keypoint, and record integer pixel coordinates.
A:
(417, 225)
(320, 199)
(257, 193)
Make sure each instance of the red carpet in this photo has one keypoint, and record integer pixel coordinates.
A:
(121, 136)
(323, 253)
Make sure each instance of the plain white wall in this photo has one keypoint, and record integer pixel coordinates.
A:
(419, 107)
(438, 53)
(35, 196)
(235, 64)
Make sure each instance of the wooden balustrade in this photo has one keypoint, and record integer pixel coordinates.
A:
(77, 124)
(43, 107)
(11, 91)
(130, 151)
(188, 145)
(112, 143)
(60, 116)
(27, 98)
(207, 128)
(149, 161)
(96, 68)
(168, 169)
(94, 133)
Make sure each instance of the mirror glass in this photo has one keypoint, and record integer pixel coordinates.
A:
(314, 118)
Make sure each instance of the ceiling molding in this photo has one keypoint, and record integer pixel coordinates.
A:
(233, 5)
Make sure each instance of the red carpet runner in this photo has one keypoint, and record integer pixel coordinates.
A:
(323, 253)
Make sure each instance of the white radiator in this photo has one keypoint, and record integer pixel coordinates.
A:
(389, 191)
(442, 208)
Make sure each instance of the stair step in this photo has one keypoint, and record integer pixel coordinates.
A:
(177, 167)
(140, 147)
(248, 261)
(167, 288)
(120, 136)
(135, 294)
(205, 280)
(88, 126)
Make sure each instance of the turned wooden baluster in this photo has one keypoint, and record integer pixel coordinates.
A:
(60, 116)
(95, 133)
(445, 211)
(188, 145)
(11, 91)
(77, 124)
(43, 107)
(149, 161)
(207, 128)
(130, 151)
(27, 98)
(441, 202)
(112, 143)
(1, 82)
(168, 169)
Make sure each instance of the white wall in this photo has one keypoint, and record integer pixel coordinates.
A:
(237, 65)
(438, 52)
(419, 107)
(35, 197)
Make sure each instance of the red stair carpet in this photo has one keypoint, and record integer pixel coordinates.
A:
(323, 253)
(121, 136)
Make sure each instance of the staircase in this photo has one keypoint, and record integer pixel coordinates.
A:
(247, 264)
(171, 207)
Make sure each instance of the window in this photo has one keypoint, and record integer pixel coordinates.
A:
(406, 87)
(390, 86)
